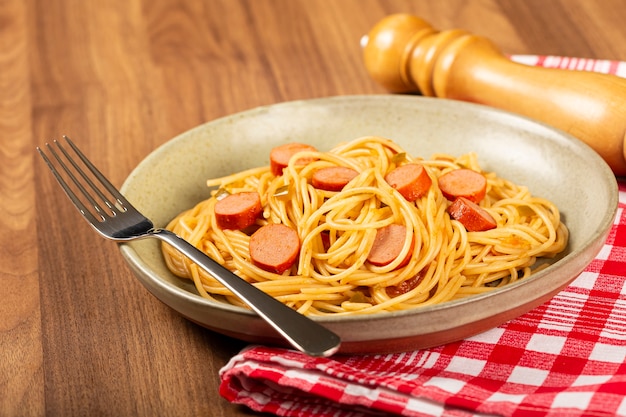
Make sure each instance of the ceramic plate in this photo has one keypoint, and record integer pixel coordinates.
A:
(551, 163)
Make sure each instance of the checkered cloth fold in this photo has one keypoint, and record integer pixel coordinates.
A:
(564, 358)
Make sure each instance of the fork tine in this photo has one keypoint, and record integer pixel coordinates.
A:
(66, 188)
(84, 176)
(78, 184)
(120, 199)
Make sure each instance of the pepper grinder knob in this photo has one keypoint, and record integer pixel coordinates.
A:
(406, 55)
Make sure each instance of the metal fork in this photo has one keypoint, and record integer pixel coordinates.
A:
(118, 220)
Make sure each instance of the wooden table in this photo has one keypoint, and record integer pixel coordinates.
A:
(78, 334)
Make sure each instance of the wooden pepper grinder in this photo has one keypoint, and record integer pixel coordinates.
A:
(405, 54)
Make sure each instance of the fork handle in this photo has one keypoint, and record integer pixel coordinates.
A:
(301, 332)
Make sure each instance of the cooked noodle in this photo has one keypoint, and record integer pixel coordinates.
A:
(333, 277)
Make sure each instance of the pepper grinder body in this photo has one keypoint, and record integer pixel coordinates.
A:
(405, 54)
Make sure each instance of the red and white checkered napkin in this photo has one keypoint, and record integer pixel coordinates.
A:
(564, 358)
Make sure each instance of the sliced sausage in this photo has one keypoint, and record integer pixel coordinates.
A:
(411, 180)
(325, 236)
(463, 183)
(280, 156)
(405, 286)
(471, 215)
(388, 245)
(274, 247)
(238, 211)
(332, 178)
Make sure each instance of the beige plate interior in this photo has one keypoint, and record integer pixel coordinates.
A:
(553, 164)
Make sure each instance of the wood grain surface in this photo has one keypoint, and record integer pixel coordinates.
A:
(78, 334)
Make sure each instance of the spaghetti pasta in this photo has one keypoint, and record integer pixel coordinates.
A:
(438, 259)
